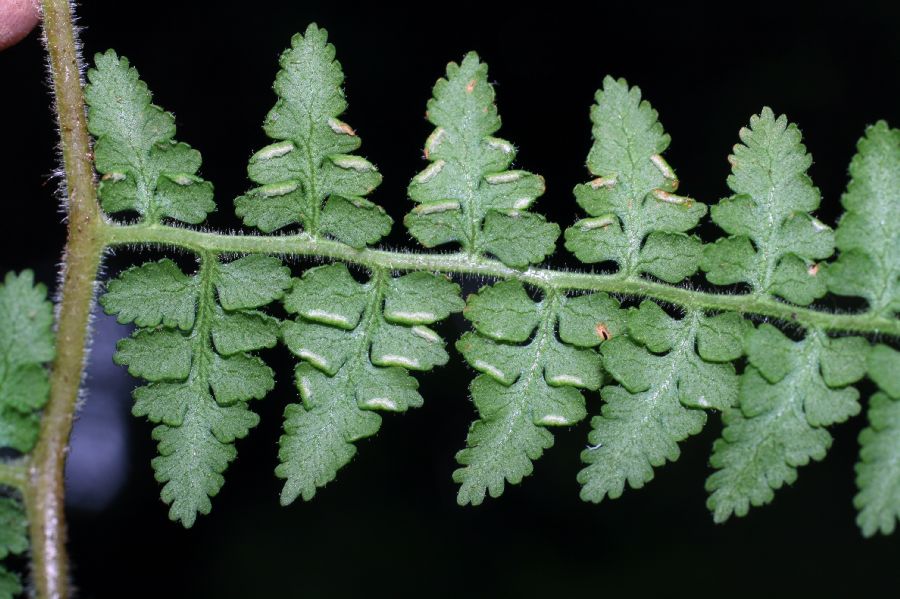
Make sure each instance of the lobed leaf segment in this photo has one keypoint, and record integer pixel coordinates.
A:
(26, 346)
(542, 341)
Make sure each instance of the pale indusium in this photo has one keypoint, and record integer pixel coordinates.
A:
(651, 357)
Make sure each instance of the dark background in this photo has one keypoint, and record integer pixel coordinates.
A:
(389, 524)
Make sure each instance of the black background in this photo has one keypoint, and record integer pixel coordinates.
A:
(390, 524)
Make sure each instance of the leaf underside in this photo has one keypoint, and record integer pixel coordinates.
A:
(535, 358)
(636, 219)
(193, 346)
(544, 358)
(309, 176)
(143, 169)
(13, 541)
(668, 372)
(773, 240)
(26, 346)
(789, 393)
(467, 194)
(356, 343)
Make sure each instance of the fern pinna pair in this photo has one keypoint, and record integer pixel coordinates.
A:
(543, 340)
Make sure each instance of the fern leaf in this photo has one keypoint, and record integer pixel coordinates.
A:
(309, 176)
(467, 194)
(681, 367)
(636, 219)
(26, 345)
(13, 541)
(10, 585)
(356, 342)
(534, 359)
(878, 469)
(789, 394)
(192, 348)
(868, 235)
(773, 240)
(13, 527)
(143, 168)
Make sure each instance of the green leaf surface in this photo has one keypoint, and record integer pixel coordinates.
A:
(193, 455)
(192, 347)
(356, 342)
(636, 220)
(878, 469)
(420, 298)
(13, 527)
(309, 176)
(13, 540)
(163, 355)
(531, 379)
(773, 240)
(155, 293)
(466, 194)
(244, 331)
(26, 346)
(790, 392)
(884, 369)
(251, 282)
(868, 235)
(10, 585)
(359, 335)
(143, 168)
(667, 370)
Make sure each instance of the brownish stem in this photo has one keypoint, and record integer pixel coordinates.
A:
(44, 492)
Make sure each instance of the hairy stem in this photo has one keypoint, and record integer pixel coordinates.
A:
(44, 495)
(305, 245)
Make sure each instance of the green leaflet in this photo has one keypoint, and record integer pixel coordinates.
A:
(192, 348)
(789, 394)
(636, 219)
(356, 343)
(683, 365)
(466, 194)
(773, 240)
(867, 235)
(10, 585)
(309, 177)
(534, 357)
(143, 168)
(878, 469)
(13, 540)
(26, 345)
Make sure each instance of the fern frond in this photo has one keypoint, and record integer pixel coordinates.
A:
(358, 336)
(26, 346)
(680, 368)
(526, 387)
(773, 239)
(636, 219)
(789, 394)
(309, 177)
(466, 194)
(867, 235)
(143, 168)
(13, 541)
(878, 469)
(192, 346)
(356, 343)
